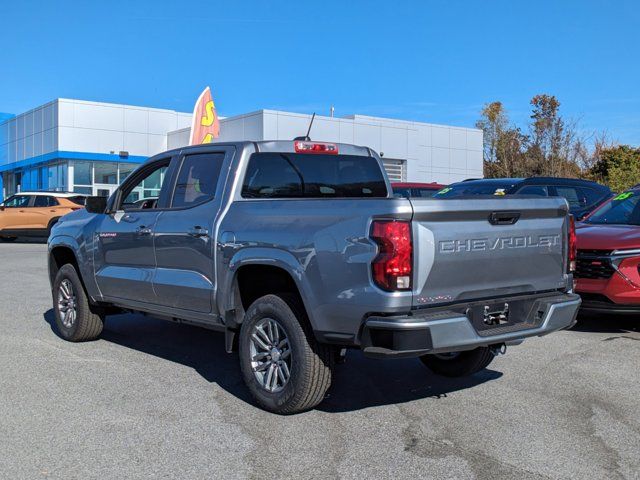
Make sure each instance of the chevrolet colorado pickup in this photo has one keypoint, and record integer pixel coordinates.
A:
(298, 250)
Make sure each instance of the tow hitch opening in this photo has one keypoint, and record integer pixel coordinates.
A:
(498, 349)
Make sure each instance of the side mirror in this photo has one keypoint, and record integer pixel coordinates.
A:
(96, 204)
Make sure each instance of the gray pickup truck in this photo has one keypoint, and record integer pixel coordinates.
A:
(298, 251)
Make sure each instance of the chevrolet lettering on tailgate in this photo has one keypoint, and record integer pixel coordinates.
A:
(500, 243)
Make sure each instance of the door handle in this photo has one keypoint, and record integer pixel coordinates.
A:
(198, 231)
(142, 230)
(503, 218)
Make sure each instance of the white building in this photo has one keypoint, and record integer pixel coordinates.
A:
(412, 151)
(90, 147)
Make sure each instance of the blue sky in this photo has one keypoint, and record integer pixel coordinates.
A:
(435, 61)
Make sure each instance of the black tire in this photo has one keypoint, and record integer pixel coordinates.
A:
(85, 324)
(52, 222)
(311, 362)
(462, 364)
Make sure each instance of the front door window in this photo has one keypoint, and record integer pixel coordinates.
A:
(145, 193)
(17, 201)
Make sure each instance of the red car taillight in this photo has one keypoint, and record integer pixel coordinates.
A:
(573, 245)
(392, 266)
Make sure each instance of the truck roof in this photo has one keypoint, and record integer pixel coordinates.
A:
(286, 146)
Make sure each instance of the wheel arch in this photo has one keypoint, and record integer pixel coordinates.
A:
(254, 272)
(61, 255)
(62, 250)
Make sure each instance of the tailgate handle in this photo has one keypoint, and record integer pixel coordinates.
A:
(503, 218)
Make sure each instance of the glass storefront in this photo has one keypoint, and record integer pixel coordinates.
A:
(53, 176)
(99, 178)
(105, 173)
(80, 176)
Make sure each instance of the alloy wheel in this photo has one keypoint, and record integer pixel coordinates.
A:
(270, 352)
(67, 305)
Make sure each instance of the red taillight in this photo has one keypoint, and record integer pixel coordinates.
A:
(392, 266)
(573, 244)
(315, 147)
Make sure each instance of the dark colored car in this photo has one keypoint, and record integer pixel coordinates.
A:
(583, 196)
(416, 190)
(608, 261)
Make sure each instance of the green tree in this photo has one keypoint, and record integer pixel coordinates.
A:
(503, 144)
(618, 166)
(554, 141)
(552, 146)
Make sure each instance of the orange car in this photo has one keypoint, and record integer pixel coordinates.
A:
(34, 213)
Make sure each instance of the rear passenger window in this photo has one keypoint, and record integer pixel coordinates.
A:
(539, 190)
(573, 195)
(197, 179)
(45, 201)
(295, 175)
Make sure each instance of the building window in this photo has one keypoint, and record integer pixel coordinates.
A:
(87, 174)
(82, 173)
(125, 169)
(57, 177)
(106, 172)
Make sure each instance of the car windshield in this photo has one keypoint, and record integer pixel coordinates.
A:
(623, 209)
(463, 189)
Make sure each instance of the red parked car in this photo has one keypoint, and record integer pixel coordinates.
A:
(608, 260)
(416, 189)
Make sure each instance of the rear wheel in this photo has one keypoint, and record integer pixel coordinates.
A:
(74, 319)
(459, 364)
(286, 370)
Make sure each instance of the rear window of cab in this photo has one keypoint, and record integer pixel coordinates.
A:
(300, 175)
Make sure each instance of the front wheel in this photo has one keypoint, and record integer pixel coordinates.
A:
(459, 364)
(286, 370)
(74, 319)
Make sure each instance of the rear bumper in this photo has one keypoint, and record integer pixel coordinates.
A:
(449, 331)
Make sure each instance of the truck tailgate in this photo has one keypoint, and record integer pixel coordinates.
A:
(487, 247)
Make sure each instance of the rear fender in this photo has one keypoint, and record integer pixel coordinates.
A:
(272, 257)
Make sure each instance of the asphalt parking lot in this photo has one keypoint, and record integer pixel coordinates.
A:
(152, 399)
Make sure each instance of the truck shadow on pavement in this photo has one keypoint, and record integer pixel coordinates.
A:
(603, 323)
(359, 383)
